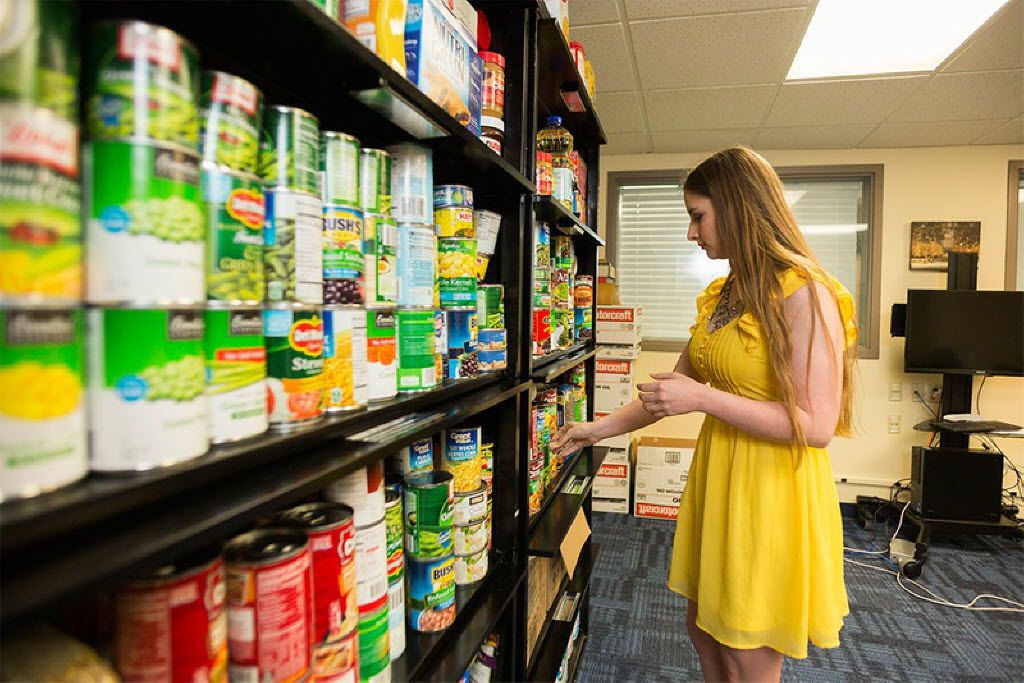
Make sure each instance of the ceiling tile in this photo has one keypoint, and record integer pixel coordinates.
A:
(592, 12)
(932, 133)
(620, 112)
(626, 143)
(702, 140)
(980, 95)
(606, 49)
(707, 108)
(812, 137)
(659, 9)
(1010, 133)
(733, 49)
(1000, 45)
(840, 102)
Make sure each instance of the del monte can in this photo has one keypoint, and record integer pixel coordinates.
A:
(295, 364)
(235, 209)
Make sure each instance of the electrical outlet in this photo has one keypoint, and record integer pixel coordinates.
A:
(895, 423)
(896, 391)
(929, 392)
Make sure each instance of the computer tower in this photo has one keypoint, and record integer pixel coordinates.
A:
(956, 484)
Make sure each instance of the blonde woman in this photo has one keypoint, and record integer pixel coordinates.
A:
(758, 545)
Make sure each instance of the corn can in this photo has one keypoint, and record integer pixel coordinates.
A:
(345, 375)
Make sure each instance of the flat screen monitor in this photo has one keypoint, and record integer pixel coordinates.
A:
(965, 332)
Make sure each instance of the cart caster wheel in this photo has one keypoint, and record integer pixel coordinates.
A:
(912, 569)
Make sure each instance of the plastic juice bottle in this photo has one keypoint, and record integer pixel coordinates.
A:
(557, 141)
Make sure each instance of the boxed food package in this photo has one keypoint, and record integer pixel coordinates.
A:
(630, 351)
(441, 59)
(661, 451)
(618, 324)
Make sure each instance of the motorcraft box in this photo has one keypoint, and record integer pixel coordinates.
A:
(661, 451)
(618, 324)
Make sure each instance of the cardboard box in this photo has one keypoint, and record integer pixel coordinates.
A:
(545, 576)
(665, 451)
(618, 324)
(622, 441)
(615, 456)
(654, 510)
(610, 397)
(612, 481)
(614, 371)
(620, 507)
(657, 490)
(610, 351)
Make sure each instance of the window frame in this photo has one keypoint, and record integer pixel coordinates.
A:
(1012, 231)
(875, 173)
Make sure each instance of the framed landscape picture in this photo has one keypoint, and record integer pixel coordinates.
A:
(931, 241)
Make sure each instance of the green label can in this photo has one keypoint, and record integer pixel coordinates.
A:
(374, 649)
(42, 416)
(236, 373)
(490, 306)
(39, 57)
(343, 255)
(375, 180)
(146, 224)
(416, 368)
(147, 401)
(235, 210)
(142, 84)
(393, 522)
(294, 337)
(380, 247)
(229, 121)
(381, 354)
(429, 511)
(339, 168)
(290, 149)
(457, 271)
(293, 252)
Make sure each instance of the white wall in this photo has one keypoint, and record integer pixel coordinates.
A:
(940, 183)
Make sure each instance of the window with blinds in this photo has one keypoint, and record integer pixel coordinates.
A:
(662, 271)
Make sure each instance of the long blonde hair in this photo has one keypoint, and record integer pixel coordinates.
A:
(760, 236)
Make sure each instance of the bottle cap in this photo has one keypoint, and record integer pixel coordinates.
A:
(554, 120)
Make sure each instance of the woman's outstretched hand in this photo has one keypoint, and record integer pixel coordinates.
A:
(671, 393)
(573, 437)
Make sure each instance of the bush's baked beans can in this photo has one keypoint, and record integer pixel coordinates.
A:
(396, 619)
(417, 258)
(374, 645)
(363, 491)
(470, 506)
(339, 168)
(380, 253)
(393, 526)
(417, 370)
(270, 605)
(431, 593)
(457, 271)
(343, 260)
(429, 509)
(331, 533)
(344, 358)
(171, 625)
(236, 373)
(295, 339)
(381, 354)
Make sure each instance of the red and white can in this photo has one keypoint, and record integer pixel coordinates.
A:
(270, 607)
(171, 626)
(331, 533)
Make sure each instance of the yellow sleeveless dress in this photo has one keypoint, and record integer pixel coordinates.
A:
(758, 542)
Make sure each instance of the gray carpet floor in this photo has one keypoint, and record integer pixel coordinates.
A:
(638, 633)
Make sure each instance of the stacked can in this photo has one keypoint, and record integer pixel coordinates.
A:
(430, 563)
(416, 457)
(487, 225)
(583, 300)
(417, 257)
(491, 336)
(462, 338)
(541, 327)
(457, 246)
(537, 463)
(462, 457)
(487, 475)
(579, 383)
(562, 313)
(363, 491)
(549, 406)
(441, 343)
(395, 530)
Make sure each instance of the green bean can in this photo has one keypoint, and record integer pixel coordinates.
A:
(236, 373)
(42, 396)
(417, 370)
(293, 251)
(490, 306)
(380, 250)
(375, 180)
(147, 401)
(339, 168)
(457, 272)
(429, 512)
(229, 121)
(146, 225)
(142, 84)
(393, 523)
(39, 61)
(290, 149)
(235, 210)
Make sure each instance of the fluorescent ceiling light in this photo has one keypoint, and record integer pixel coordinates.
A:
(859, 37)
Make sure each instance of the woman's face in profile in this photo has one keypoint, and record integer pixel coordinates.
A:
(702, 224)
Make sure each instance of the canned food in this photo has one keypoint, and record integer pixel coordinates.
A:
(429, 505)
(461, 457)
(487, 455)
(375, 181)
(417, 457)
(363, 491)
(40, 56)
(415, 339)
(339, 168)
(395, 536)
(295, 365)
(374, 645)
(541, 331)
(344, 359)
(290, 150)
(489, 522)
(535, 484)
(269, 589)
(145, 224)
(431, 594)
(491, 360)
(235, 211)
(470, 506)
(343, 260)
(380, 247)
(481, 268)
(542, 245)
(493, 135)
(42, 415)
(440, 331)
(583, 292)
(147, 406)
(583, 322)
(562, 328)
(142, 84)
(454, 221)
(464, 366)
(181, 608)
(562, 251)
(470, 538)
(230, 110)
(381, 354)
(487, 224)
(292, 257)
(396, 619)
(542, 277)
(371, 567)
(490, 306)
(457, 271)
(417, 256)
(337, 661)
(453, 195)
(491, 340)
(471, 568)
(462, 342)
(560, 286)
(412, 183)
(236, 373)
(331, 533)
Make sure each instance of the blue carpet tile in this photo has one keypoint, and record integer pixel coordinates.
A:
(638, 631)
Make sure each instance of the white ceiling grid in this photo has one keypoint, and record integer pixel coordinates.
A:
(695, 75)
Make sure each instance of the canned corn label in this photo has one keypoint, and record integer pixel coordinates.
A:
(42, 418)
(380, 247)
(339, 168)
(290, 150)
(236, 373)
(454, 221)
(234, 239)
(381, 354)
(146, 223)
(457, 272)
(344, 359)
(462, 457)
(431, 594)
(147, 401)
(292, 255)
(295, 364)
(417, 255)
(229, 121)
(343, 261)
(416, 370)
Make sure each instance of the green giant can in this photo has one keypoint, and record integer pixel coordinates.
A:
(417, 370)
(235, 210)
(236, 373)
(229, 121)
(290, 149)
(429, 513)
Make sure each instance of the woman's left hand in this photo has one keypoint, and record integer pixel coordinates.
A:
(671, 394)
